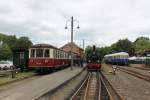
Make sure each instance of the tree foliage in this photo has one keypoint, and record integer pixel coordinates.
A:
(88, 50)
(5, 52)
(23, 42)
(142, 43)
(124, 45)
(10, 42)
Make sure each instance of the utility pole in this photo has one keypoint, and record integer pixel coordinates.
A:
(83, 59)
(72, 43)
(72, 27)
(83, 44)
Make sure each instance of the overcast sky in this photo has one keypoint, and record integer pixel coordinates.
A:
(102, 22)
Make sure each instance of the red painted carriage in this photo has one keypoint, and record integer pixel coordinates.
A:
(44, 57)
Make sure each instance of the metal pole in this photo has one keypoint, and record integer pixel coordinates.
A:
(83, 58)
(83, 45)
(146, 60)
(72, 43)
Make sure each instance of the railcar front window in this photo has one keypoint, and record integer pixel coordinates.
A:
(32, 53)
(39, 52)
(46, 53)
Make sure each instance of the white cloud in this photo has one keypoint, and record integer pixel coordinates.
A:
(102, 22)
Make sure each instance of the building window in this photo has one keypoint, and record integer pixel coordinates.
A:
(39, 52)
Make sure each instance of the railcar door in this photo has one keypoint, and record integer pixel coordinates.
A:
(22, 60)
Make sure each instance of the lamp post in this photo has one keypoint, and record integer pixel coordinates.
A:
(72, 28)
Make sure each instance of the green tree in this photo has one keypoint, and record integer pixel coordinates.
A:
(23, 42)
(10, 41)
(88, 50)
(123, 45)
(5, 52)
(142, 43)
(2, 37)
(104, 51)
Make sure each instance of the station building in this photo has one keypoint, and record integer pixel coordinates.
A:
(78, 52)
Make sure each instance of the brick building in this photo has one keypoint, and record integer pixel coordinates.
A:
(77, 51)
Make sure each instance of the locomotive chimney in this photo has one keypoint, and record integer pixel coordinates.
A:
(93, 47)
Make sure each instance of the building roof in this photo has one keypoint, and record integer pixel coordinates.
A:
(69, 44)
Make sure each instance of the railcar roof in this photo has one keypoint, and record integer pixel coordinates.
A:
(43, 46)
(119, 53)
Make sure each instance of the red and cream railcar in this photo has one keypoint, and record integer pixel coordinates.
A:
(47, 57)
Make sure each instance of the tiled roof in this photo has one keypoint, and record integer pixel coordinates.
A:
(69, 44)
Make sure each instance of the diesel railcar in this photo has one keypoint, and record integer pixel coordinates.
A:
(120, 58)
(93, 61)
(45, 57)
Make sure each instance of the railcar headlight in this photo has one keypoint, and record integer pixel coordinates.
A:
(98, 61)
(89, 60)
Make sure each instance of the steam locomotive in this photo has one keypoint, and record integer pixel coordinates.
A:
(93, 60)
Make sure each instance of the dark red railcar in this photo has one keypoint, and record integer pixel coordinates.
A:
(45, 57)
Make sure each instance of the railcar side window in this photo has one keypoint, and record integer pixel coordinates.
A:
(39, 52)
(46, 53)
(32, 53)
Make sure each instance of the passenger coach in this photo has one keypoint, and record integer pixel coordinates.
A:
(45, 57)
(120, 58)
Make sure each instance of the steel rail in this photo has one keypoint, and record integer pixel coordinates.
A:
(136, 74)
(79, 89)
(113, 94)
(100, 86)
(141, 68)
(89, 88)
(92, 89)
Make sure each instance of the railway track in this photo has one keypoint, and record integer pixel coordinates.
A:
(96, 87)
(136, 74)
(141, 68)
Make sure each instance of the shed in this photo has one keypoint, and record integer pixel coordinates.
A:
(20, 58)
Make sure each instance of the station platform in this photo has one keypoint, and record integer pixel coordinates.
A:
(33, 88)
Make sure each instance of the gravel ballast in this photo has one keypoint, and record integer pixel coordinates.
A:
(130, 87)
(144, 72)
